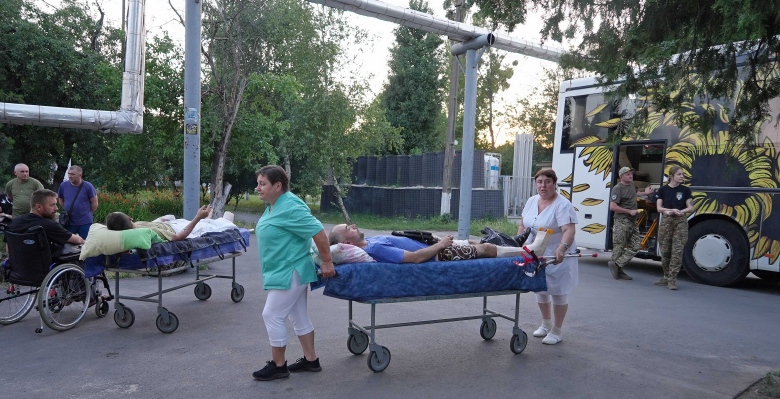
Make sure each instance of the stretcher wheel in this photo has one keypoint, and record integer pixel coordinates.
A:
(127, 320)
(64, 297)
(171, 326)
(16, 301)
(375, 364)
(237, 293)
(101, 308)
(202, 291)
(357, 343)
(488, 329)
(518, 343)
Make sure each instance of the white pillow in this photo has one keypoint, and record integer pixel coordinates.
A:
(343, 253)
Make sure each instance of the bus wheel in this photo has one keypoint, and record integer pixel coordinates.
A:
(716, 253)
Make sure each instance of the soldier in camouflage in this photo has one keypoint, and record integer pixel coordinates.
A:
(626, 238)
(674, 203)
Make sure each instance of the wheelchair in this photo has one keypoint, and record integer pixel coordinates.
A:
(58, 288)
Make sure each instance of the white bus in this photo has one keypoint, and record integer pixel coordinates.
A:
(736, 188)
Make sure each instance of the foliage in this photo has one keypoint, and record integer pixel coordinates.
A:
(493, 79)
(52, 59)
(536, 114)
(677, 51)
(144, 205)
(414, 93)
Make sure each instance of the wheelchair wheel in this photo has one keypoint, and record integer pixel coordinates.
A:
(16, 301)
(64, 297)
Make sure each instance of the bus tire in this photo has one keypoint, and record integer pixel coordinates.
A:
(716, 253)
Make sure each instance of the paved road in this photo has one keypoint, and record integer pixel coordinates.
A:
(622, 339)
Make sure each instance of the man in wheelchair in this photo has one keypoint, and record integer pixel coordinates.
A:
(43, 206)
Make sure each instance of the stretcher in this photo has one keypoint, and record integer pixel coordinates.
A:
(193, 252)
(380, 283)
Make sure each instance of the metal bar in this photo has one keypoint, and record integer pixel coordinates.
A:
(130, 116)
(192, 33)
(467, 159)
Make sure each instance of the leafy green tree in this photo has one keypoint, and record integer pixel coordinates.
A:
(493, 80)
(536, 113)
(57, 59)
(154, 157)
(678, 51)
(414, 94)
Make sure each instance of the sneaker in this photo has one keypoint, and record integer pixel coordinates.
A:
(623, 276)
(672, 285)
(552, 339)
(271, 372)
(662, 281)
(305, 365)
(541, 332)
(614, 269)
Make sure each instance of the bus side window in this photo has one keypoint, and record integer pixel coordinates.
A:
(580, 116)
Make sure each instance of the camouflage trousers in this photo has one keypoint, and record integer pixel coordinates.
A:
(626, 240)
(672, 235)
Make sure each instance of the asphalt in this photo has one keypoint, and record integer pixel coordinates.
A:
(621, 339)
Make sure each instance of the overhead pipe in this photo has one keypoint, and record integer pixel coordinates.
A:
(130, 116)
(457, 31)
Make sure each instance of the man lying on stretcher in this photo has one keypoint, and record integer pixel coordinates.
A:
(171, 229)
(393, 249)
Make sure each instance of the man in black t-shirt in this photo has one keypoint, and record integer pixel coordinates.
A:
(43, 206)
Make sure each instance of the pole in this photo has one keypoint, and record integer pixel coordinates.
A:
(192, 32)
(467, 159)
(452, 115)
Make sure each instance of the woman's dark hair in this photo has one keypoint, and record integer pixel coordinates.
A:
(547, 172)
(118, 221)
(275, 174)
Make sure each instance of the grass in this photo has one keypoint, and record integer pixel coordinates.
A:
(769, 386)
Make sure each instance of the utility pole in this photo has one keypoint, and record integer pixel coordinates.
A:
(452, 115)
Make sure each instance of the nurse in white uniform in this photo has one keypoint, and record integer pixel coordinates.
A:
(550, 210)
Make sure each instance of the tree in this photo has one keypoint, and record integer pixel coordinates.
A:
(677, 52)
(56, 59)
(536, 114)
(414, 94)
(494, 79)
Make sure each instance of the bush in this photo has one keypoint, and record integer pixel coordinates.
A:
(145, 205)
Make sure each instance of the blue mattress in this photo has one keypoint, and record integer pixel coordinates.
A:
(209, 245)
(372, 281)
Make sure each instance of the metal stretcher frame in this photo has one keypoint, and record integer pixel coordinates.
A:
(167, 322)
(363, 337)
(213, 247)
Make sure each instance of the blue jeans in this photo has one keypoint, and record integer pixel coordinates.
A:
(81, 230)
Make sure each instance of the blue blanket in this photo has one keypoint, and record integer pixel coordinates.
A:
(209, 245)
(370, 281)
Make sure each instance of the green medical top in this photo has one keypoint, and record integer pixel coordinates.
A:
(284, 241)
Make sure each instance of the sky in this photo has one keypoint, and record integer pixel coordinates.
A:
(373, 60)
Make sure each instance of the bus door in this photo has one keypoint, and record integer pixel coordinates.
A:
(590, 189)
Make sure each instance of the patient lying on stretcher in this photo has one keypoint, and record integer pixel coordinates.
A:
(171, 229)
(393, 249)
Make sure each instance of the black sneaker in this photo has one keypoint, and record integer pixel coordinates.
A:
(271, 372)
(305, 365)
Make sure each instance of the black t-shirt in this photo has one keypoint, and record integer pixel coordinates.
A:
(56, 234)
(674, 197)
(5, 205)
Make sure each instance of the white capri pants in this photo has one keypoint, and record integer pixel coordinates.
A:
(542, 297)
(283, 304)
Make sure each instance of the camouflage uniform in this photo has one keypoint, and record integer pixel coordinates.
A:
(672, 235)
(626, 239)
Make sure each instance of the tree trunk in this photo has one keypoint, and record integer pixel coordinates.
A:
(218, 204)
(340, 201)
